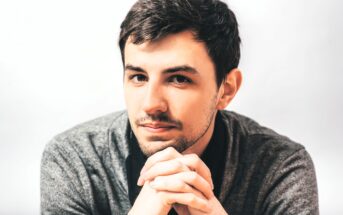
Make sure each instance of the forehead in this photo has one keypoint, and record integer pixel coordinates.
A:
(172, 50)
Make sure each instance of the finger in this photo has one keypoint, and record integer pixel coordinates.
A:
(163, 168)
(166, 154)
(183, 182)
(170, 184)
(196, 164)
(192, 200)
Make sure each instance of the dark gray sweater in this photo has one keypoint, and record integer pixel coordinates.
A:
(83, 170)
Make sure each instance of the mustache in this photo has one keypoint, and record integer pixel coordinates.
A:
(161, 117)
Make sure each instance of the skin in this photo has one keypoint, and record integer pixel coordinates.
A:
(172, 99)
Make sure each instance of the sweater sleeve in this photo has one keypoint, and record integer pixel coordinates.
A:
(293, 187)
(61, 182)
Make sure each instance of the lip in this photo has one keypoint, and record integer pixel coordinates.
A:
(157, 127)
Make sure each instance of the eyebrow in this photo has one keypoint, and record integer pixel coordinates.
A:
(134, 68)
(181, 68)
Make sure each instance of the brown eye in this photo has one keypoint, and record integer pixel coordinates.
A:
(138, 78)
(179, 79)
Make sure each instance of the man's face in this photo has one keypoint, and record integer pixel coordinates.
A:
(170, 92)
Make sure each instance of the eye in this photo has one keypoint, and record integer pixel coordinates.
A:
(137, 78)
(179, 79)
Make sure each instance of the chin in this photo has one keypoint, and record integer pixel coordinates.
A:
(151, 147)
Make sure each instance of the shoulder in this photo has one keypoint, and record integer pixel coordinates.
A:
(77, 163)
(93, 133)
(278, 168)
(260, 147)
(255, 138)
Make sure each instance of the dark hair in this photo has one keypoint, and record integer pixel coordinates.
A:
(211, 21)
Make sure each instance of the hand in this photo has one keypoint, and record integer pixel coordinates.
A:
(150, 202)
(215, 208)
(170, 161)
(188, 194)
(155, 201)
(169, 171)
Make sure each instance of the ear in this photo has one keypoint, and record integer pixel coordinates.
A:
(229, 88)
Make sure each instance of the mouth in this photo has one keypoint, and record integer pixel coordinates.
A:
(157, 127)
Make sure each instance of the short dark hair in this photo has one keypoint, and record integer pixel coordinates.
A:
(211, 21)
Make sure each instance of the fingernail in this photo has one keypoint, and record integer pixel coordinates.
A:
(140, 181)
(142, 171)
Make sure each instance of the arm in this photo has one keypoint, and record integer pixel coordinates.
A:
(61, 190)
(293, 187)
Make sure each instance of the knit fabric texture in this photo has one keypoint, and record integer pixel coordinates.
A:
(83, 170)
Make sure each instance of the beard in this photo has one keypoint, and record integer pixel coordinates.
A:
(155, 144)
(180, 144)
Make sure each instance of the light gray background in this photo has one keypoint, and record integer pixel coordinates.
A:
(60, 65)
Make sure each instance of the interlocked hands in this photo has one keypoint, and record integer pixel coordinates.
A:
(170, 179)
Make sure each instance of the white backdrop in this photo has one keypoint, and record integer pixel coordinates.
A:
(60, 65)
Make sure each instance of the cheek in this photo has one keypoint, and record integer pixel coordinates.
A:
(132, 99)
(131, 106)
(192, 108)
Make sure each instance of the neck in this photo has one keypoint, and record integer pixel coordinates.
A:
(200, 146)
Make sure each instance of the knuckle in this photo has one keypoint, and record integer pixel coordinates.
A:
(149, 160)
(192, 199)
(195, 160)
(158, 179)
(194, 156)
(178, 165)
(209, 173)
(185, 187)
(181, 186)
(193, 176)
(208, 189)
(170, 150)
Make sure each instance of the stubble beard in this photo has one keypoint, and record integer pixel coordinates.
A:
(181, 143)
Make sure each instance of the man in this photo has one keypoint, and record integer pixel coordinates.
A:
(176, 150)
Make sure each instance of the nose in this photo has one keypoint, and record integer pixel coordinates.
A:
(154, 101)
